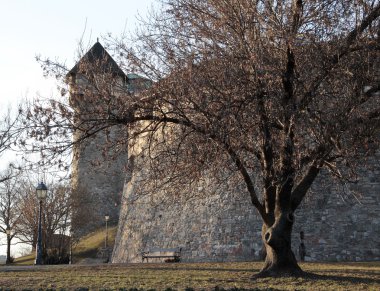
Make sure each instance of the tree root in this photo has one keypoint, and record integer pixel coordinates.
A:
(279, 273)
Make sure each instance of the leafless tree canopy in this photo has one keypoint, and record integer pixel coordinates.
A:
(56, 213)
(9, 199)
(272, 90)
(10, 132)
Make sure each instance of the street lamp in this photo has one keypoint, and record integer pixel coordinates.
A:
(106, 217)
(41, 192)
(8, 232)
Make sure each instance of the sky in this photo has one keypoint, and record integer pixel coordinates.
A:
(53, 28)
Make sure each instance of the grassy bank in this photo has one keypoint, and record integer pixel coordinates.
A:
(86, 248)
(89, 245)
(332, 276)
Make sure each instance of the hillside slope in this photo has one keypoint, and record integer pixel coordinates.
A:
(87, 250)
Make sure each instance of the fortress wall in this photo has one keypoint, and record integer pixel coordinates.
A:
(223, 226)
(342, 222)
(219, 227)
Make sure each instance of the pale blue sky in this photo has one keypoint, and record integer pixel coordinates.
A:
(52, 28)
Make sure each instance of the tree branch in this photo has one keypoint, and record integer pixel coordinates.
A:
(234, 156)
(342, 51)
(304, 185)
(248, 181)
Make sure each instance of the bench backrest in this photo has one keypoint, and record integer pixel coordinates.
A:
(161, 250)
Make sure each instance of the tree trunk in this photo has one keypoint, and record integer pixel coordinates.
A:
(8, 261)
(280, 260)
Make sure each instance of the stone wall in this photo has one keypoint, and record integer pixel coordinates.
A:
(214, 227)
(99, 183)
(340, 222)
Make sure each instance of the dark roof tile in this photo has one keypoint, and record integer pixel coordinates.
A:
(98, 53)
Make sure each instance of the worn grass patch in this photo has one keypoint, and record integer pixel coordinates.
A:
(182, 276)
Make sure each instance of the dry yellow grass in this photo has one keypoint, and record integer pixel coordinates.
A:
(179, 276)
(89, 245)
(25, 260)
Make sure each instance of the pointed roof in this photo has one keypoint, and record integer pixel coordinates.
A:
(98, 54)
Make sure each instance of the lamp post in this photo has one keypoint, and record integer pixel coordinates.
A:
(8, 232)
(106, 217)
(41, 192)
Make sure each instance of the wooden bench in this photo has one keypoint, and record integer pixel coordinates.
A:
(105, 254)
(171, 255)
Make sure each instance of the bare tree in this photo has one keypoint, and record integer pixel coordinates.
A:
(9, 200)
(272, 91)
(57, 223)
(10, 132)
(56, 218)
(28, 206)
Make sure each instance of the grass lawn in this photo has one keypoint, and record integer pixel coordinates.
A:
(179, 276)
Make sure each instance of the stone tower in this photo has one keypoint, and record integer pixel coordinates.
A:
(97, 180)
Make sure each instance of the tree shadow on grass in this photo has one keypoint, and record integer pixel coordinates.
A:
(341, 279)
(245, 270)
(371, 278)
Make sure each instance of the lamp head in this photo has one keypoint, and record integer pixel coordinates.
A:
(41, 191)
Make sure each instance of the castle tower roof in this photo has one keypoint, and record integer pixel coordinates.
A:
(98, 54)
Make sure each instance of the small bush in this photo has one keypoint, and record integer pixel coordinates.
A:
(56, 257)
